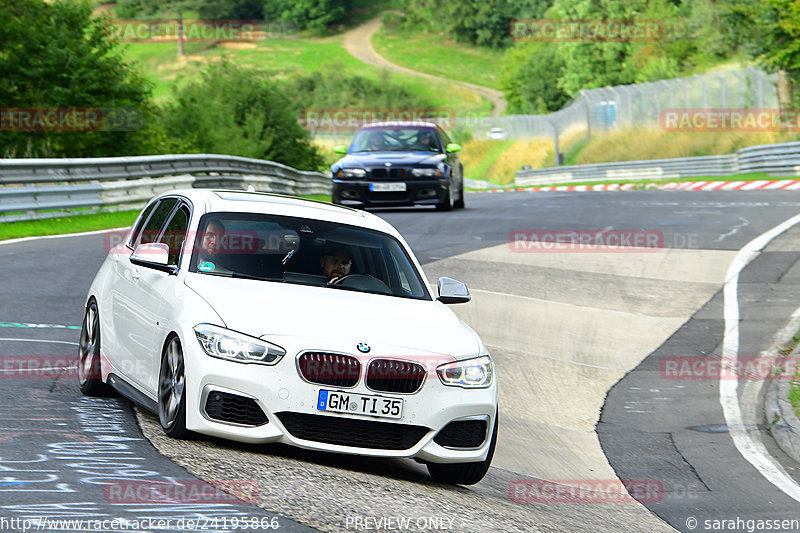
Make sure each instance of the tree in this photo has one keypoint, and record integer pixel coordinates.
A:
(243, 112)
(779, 41)
(481, 22)
(55, 55)
(528, 77)
(307, 14)
(595, 64)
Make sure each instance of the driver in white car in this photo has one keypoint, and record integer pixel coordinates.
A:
(335, 263)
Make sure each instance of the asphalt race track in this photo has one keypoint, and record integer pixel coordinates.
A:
(565, 327)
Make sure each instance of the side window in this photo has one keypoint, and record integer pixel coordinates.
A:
(142, 221)
(156, 222)
(175, 234)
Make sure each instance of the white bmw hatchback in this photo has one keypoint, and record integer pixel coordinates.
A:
(262, 318)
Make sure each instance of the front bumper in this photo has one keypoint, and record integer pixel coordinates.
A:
(418, 192)
(279, 389)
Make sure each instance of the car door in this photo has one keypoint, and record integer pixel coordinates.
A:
(135, 298)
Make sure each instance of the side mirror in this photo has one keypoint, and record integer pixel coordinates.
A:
(452, 291)
(453, 147)
(153, 255)
(340, 149)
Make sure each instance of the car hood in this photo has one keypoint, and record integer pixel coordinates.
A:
(330, 319)
(372, 159)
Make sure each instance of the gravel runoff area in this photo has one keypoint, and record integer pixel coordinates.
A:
(330, 492)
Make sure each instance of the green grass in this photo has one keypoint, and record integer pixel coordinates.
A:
(67, 224)
(794, 393)
(434, 54)
(478, 169)
(283, 56)
(89, 222)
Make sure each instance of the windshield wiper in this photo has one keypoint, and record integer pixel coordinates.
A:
(239, 275)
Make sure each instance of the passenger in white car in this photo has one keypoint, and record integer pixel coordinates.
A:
(213, 240)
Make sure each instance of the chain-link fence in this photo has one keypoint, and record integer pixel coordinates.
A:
(609, 108)
(593, 110)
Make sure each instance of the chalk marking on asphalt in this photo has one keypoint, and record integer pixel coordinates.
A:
(38, 340)
(751, 449)
(31, 325)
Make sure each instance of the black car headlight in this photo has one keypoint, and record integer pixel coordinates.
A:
(426, 172)
(234, 346)
(469, 373)
(351, 173)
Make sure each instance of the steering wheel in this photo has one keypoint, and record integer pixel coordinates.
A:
(363, 282)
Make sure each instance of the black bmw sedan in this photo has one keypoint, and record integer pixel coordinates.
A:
(399, 163)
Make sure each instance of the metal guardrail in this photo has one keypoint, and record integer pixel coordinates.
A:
(774, 159)
(30, 186)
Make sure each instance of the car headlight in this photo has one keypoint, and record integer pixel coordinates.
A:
(470, 374)
(426, 172)
(233, 346)
(351, 173)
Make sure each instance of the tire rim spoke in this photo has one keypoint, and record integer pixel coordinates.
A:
(88, 344)
(171, 385)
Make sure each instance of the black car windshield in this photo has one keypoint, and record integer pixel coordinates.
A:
(396, 139)
(302, 251)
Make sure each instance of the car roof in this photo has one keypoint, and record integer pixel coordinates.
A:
(227, 200)
(403, 123)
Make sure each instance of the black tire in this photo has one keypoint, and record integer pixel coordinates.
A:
(459, 204)
(90, 377)
(172, 391)
(447, 203)
(464, 473)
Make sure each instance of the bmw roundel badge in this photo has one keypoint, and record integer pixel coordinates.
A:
(363, 347)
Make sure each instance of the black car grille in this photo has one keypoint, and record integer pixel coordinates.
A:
(388, 173)
(349, 432)
(388, 375)
(462, 434)
(234, 409)
(332, 369)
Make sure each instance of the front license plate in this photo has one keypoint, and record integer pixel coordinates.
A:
(387, 187)
(359, 404)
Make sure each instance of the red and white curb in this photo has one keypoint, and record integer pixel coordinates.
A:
(676, 186)
(733, 185)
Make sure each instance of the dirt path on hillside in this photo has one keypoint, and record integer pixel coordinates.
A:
(358, 43)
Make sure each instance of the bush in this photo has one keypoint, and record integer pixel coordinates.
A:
(243, 112)
(330, 87)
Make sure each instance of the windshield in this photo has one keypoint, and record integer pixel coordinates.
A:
(304, 252)
(396, 139)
